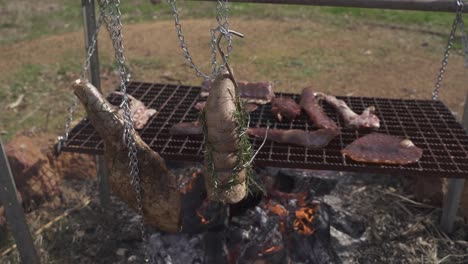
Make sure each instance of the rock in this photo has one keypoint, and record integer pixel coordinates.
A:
(132, 259)
(121, 252)
(35, 178)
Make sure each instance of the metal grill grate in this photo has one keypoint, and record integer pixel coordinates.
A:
(429, 124)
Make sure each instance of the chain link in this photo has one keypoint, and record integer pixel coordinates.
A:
(223, 28)
(129, 131)
(62, 140)
(456, 22)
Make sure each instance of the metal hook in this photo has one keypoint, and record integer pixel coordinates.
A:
(218, 40)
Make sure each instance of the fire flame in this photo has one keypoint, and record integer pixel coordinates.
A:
(277, 209)
(304, 218)
(202, 218)
(300, 197)
(187, 183)
(272, 249)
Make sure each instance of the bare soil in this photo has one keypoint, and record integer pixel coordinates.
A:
(355, 59)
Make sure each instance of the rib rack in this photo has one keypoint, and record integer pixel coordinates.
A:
(429, 124)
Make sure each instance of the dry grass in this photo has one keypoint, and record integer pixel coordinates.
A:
(399, 229)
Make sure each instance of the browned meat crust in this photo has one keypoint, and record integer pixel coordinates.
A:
(311, 106)
(309, 139)
(383, 148)
(286, 108)
(367, 120)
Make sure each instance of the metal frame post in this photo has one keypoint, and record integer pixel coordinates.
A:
(89, 20)
(14, 212)
(455, 189)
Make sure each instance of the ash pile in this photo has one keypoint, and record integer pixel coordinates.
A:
(288, 221)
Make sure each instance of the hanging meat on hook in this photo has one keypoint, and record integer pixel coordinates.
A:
(284, 107)
(383, 148)
(253, 92)
(225, 170)
(140, 113)
(366, 120)
(161, 198)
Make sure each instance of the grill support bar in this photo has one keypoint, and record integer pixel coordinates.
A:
(89, 21)
(455, 190)
(415, 5)
(14, 212)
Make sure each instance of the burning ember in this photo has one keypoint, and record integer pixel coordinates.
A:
(280, 227)
(277, 209)
(186, 183)
(303, 221)
(202, 218)
(272, 249)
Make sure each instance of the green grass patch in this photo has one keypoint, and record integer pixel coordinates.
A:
(67, 16)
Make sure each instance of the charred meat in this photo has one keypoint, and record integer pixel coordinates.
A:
(286, 108)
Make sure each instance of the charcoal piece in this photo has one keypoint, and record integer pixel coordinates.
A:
(252, 200)
(176, 248)
(315, 248)
(284, 182)
(280, 256)
(351, 225)
(288, 180)
(215, 248)
(215, 214)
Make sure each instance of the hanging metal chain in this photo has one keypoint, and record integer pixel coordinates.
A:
(129, 131)
(456, 22)
(223, 28)
(62, 140)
